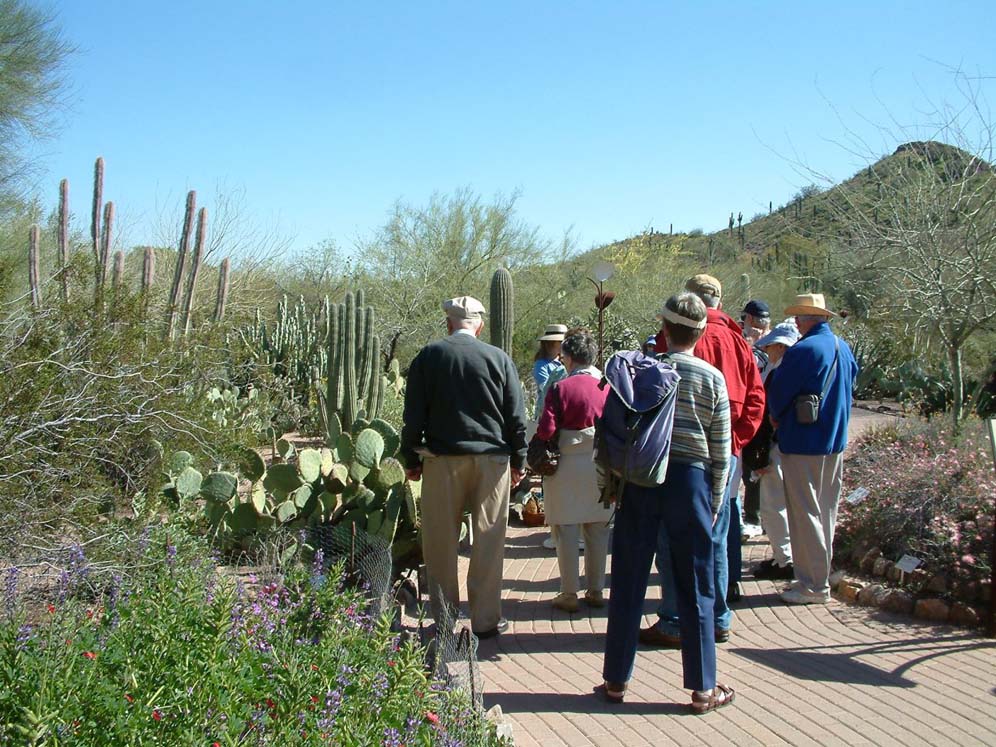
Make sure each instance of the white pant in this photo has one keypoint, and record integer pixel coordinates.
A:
(596, 547)
(774, 517)
(812, 492)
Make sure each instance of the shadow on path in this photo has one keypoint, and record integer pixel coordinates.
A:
(575, 703)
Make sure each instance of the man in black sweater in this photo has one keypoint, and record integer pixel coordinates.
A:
(465, 434)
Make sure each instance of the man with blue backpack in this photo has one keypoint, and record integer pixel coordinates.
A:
(662, 453)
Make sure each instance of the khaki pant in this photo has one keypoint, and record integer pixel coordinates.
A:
(596, 547)
(479, 484)
(812, 492)
(774, 515)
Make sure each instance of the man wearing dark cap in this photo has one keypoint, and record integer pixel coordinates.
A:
(464, 434)
(755, 320)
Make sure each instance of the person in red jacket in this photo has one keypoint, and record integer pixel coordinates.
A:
(723, 346)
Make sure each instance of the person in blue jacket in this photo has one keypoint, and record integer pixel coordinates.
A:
(812, 454)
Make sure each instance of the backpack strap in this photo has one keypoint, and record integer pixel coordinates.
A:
(831, 374)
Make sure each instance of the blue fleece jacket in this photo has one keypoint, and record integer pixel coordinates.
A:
(803, 370)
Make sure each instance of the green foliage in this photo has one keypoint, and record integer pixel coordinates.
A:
(178, 653)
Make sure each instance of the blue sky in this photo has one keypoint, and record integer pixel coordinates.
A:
(607, 117)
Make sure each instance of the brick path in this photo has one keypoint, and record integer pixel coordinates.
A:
(833, 675)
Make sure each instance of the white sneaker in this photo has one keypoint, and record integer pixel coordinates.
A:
(550, 543)
(800, 596)
(750, 531)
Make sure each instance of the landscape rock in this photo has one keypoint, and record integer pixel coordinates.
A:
(962, 614)
(935, 610)
(835, 578)
(897, 600)
(503, 727)
(986, 590)
(868, 561)
(859, 550)
(871, 595)
(848, 590)
(894, 574)
(881, 567)
(937, 584)
(918, 578)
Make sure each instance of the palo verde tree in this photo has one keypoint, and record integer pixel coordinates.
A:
(32, 54)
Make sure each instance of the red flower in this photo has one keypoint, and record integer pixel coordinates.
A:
(314, 698)
(270, 704)
(129, 698)
(157, 716)
(314, 667)
(431, 717)
(390, 662)
(51, 609)
(215, 744)
(90, 655)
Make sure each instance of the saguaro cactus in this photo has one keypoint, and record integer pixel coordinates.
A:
(63, 239)
(98, 203)
(223, 285)
(148, 269)
(117, 276)
(502, 310)
(34, 278)
(350, 390)
(173, 308)
(105, 243)
(195, 268)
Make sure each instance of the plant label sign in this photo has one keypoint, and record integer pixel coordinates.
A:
(908, 563)
(858, 495)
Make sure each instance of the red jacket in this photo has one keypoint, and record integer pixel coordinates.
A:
(723, 346)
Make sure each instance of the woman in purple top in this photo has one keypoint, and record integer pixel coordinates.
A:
(571, 495)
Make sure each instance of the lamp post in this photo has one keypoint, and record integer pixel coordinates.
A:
(601, 272)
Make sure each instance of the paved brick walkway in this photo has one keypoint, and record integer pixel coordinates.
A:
(833, 675)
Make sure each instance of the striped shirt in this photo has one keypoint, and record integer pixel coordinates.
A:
(701, 433)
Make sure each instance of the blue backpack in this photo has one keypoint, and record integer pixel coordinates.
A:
(633, 436)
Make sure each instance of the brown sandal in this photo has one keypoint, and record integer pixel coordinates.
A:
(721, 696)
(614, 692)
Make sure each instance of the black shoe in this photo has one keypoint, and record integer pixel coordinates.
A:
(501, 627)
(771, 571)
(733, 594)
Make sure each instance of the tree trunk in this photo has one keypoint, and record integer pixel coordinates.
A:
(957, 386)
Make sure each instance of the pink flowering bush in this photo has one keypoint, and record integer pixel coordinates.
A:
(931, 496)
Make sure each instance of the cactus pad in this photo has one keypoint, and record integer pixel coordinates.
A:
(219, 487)
(282, 478)
(309, 464)
(188, 483)
(369, 448)
(392, 440)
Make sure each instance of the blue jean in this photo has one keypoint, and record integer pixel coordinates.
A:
(682, 509)
(668, 609)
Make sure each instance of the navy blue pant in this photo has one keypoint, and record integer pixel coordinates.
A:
(682, 507)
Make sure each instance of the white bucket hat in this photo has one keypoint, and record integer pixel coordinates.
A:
(554, 333)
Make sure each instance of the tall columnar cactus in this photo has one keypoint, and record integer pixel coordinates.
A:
(34, 277)
(148, 269)
(223, 286)
(63, 239)
(117, 275)
(98, 204)
(195, 268)
(745, 287)
(502, 311)
(173, 309)
(350, 389)
(105, 243)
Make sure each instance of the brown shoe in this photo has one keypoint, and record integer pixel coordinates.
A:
(594, 598)
(652, 636)
(566, 602)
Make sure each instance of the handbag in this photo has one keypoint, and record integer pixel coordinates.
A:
(543, 457)
(807, 406)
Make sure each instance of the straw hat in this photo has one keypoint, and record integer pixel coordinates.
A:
(809, 304)
(553, 333)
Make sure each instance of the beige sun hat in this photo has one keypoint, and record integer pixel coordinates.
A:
(809, 304)
(553, 333)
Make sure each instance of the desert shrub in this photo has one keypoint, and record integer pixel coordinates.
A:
(931, 496)
(175, 653)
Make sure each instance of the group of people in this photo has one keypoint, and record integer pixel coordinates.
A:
(755, 403)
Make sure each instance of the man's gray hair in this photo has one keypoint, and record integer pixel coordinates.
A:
(581, 346)
(811, 318)
(471, 324)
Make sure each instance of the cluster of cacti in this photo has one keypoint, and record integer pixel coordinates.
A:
(502, 313)
(358, 482)
(296, 346)
(182, 294)
(354, 389)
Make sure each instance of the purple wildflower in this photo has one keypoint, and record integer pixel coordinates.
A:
(392, 738)
(10, 590)
(171, 555)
